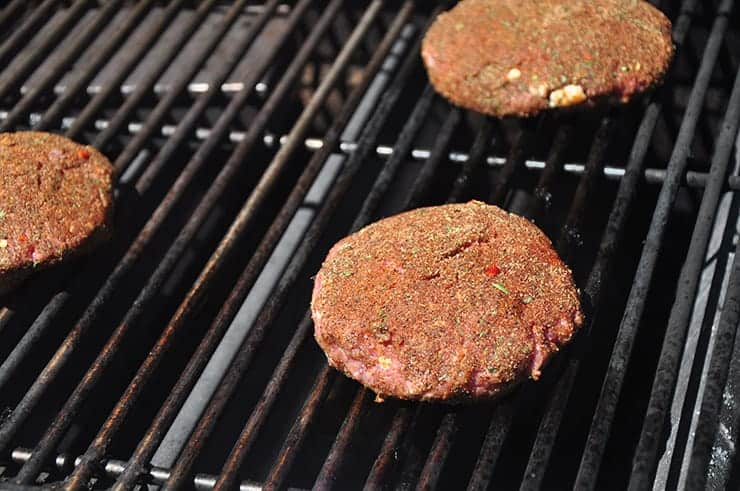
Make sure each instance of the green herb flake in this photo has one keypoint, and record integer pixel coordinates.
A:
(2, 214)
(482, 334)
(346, 274)
(501, 288)
(492, 370)
(527, 299)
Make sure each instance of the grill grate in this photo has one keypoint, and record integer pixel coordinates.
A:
(249, 136)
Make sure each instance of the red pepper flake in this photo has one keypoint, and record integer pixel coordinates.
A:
(23, 238)
(493, 270)
(83, 154)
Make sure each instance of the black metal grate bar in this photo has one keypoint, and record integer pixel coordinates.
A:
(33, 395)
(134, 56)
(502, 419)
(514, 161)
(244, 356)
(553, 166)
(180, 391)
(50, 40)
(573, 223)
(369, 206)
(435, 158)
(492, 446)
(720, 468)
(65, 416)
(167, 102)
(68, 58)
(271, 237)
(550, 423)
(209, 341)
(477, 153)
(144, 87)
(19, 35)
(10, 11)
(603, 416)
(688, 285)
(706, 430)
(338, 451)
(339, 95)
(439, 452)
(56, 110)
(294, 439)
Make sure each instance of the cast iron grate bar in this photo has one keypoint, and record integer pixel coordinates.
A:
(145, 171)
(688, 284)
(81, 392)
(55, 111)
(29, 63)
(44, 321)
(238, 366)
(44, 381)
(502, 420)
(695, 179)
(73, 51)
(144, 87)
(606, 407)
(555, 411)
(10, 11)
(8, 427)
(208, 344)
(114, 468)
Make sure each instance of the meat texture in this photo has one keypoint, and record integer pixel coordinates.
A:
(520, 57)
(55, 201)
(449, 303)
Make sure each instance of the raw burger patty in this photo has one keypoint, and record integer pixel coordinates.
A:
(55, 200)
(447, 303)
(519, 57)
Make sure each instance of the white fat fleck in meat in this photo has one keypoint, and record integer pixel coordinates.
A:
(567, 96)
(513, 74)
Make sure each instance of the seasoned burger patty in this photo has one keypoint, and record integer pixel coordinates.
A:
(55, 200)
(447, 303)
(519, 57)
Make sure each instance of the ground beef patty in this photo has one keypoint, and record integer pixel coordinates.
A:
(55, 200)
(446, 303)
(519, 57)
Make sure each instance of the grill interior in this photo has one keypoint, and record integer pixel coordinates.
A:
(249, 137)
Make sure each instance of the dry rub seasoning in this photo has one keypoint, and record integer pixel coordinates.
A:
(519, 57)
(55, 200)
(447, 303)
